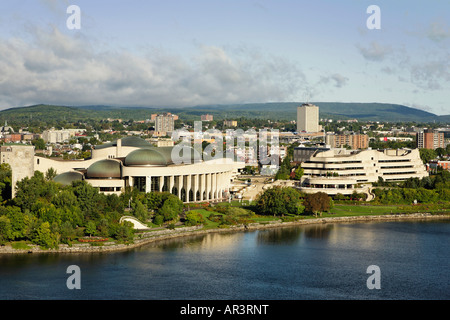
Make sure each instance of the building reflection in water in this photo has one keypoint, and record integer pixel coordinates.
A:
(291, 235)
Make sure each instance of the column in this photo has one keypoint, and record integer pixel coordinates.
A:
(179, 185)
(171, 183)
(195, 187)
(202, 186)
(148, 184)
(208, 186)
(214, 186)
(188, 187)
(161, 183)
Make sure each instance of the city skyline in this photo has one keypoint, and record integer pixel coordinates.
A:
(173, 53)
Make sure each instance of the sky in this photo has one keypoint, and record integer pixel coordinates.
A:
(191, 52)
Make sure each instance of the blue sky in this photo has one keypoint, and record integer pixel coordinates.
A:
(184, 53)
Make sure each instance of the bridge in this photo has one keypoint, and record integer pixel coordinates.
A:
(136, 223)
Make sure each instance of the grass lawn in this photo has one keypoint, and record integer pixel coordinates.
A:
(358, 210)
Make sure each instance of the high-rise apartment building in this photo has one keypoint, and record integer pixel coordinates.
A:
(206, 117)
(430, 139)
(165, 122)
(354, 141)
(308, 118)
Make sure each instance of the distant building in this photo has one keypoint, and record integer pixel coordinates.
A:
(165, 122)
(206, 117)
(430, 139)
(308, 118)
(354, 141)
(434, 164)
(161, 142)
(230, 123)
(55, 136)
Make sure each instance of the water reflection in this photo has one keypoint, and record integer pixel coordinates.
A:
(319, 231)
(292, 235)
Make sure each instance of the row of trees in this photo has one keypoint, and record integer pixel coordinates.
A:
(432, 189)
(281, 201)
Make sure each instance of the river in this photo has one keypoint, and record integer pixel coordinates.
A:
(309, 262)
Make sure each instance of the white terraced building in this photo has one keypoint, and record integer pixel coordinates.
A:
(345, 171)
(133, 162)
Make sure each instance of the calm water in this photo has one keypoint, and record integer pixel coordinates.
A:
(305, 262)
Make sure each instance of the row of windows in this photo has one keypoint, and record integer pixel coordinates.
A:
(110, 189)
(394, 173)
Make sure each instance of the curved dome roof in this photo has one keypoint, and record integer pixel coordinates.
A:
(66, 178)
(106, 168)
(130, 141)
(147, 157)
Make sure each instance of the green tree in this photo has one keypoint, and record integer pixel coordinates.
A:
(91, 228)
(140, 211)
(427, 154)
(39, 143)
(123, 232)
(5, 230)
(45, 237)
(67, 232)
(278, 201)
(88, 199)
(50, 174)
(171, 208)
(299, 173)
(5, 182)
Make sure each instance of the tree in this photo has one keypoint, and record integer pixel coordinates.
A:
(5, 182)
(50, 174)
(140, 211)
(5, 230)
(317, 203)
(39, 144)
(45, 237)
(171, 208)
(91, 228)
(284, 170)
(194, 218)
(427, 154)
(299, 173)
(123, 232)
(278, 201)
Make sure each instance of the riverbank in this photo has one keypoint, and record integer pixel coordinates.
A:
(154, 236)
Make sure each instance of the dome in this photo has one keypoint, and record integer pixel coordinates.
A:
(130, 141)
(66, 178)
(147, 157)
(104, 169)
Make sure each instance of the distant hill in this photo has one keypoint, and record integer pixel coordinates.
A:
(272, 111)
(333, 110)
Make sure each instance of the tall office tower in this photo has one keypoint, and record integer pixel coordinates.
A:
(164, 122)
(308, 118)
(430, 139)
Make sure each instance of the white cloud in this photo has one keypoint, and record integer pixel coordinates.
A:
(60, 68)
(375, 51)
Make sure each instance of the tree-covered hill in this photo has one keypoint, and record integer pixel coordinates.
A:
(273, 111)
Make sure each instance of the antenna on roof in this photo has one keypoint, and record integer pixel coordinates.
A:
(307, 96)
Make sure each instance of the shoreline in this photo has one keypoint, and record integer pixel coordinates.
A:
(143, 239)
